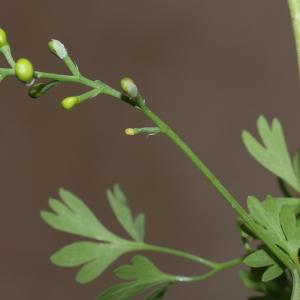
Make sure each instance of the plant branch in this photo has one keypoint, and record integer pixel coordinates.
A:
(214, 266)
(98, 87)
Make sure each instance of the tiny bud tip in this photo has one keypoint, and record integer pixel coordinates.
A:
(129, 131)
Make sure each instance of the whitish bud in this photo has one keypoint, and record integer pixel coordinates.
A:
(58, 49)
(129, 87)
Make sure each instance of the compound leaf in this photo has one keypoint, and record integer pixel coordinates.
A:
(142, 274)
(119, 204)
(258, 259)
(273, 153)
(74, 217)
(94, 257)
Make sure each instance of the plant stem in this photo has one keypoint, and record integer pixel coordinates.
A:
(296, 285)
(197, 162)
(215, 266)
(294, 6)
(105, 89)
(219, 267)
(218, 185)
(179, 253)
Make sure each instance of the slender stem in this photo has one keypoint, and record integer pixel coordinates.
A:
(219, 267)
(296, 285)
(179, 253)
(105, 89)
(7, 54)
(71, 66)
(294, 6)
(197, 162)
(214, 266)
(218, 185)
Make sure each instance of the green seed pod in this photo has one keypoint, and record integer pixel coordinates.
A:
(129, 87)
(3, 38)
(69, 102)
(57, 48)
(24, 70)
(39, 89)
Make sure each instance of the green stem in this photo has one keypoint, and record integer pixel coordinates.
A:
(71, 66)
(179, 253)
(296, 285)
(214, 266)
(7, 54)
(294, 6)
(105, 89)
(218, 185)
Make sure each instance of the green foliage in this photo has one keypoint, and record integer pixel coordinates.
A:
(119, 204)
(71, 215)
(94, 257)
(277, 289)
(277, 218)
(261, 258)
(273, 154)
(140, 276)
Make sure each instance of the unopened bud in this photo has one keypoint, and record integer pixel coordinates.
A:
(129, 131)
(69, 102)
(39, 89)
(129, 87)
(3, 38)
(57, 48)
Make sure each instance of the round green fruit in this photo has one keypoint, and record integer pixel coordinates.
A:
(24, 70)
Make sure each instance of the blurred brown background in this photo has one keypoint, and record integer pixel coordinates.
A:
(209, 68)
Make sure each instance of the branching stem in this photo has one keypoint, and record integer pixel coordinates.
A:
(105, 89)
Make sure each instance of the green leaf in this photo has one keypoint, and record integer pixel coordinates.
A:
(272, 272)
(159, 293)
(296, 163)
(119, 204)
(258, 259)
(288, 222)
(277, 218)
(139, 224)
(273, 154)
(77, 254)
(271, 289)
(267, 214)
(251, 281)
(95, 257)
(142, 274)
(74, 217)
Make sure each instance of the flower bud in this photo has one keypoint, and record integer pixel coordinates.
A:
(69, 102)
(129, 131)
(57, 48)
(3, 38)
(39, 89)
(24, 70)
(129, 87)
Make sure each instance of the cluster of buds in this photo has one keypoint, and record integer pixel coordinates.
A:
(23, 67)
(24, 71)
